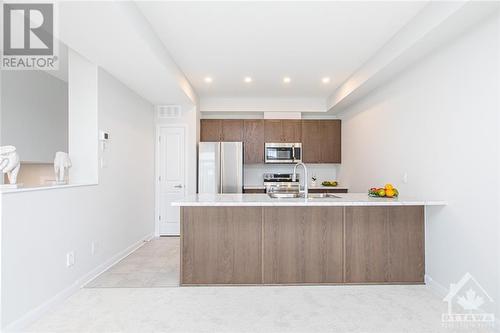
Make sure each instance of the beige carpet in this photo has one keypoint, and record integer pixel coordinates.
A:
(154, 265)
(389, 309)
(135, 305)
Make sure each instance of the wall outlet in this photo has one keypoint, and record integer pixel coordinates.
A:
(70, 259)
(405, 177)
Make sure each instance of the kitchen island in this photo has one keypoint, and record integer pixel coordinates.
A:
(229, 239)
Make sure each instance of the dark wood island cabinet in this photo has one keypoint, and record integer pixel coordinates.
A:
(302, 245)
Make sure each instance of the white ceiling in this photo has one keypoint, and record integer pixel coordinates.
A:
(269, 40)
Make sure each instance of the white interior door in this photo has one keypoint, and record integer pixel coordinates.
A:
(171, 178)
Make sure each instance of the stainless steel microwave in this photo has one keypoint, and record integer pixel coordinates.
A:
(283, 152)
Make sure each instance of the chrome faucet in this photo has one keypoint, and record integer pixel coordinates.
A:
(294, 178)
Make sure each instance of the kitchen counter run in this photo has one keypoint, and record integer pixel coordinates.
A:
(346, 199)
(321, 187)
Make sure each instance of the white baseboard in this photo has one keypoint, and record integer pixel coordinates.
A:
(33, 315)
(437, 288)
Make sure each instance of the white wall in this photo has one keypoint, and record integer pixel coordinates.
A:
(40, 227)
(83, 115)
(243, 104)
(34, 114)
(439, 122)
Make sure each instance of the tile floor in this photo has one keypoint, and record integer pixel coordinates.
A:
(154, 265)
(137, 307)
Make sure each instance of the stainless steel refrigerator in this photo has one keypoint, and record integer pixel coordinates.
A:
(220, 167)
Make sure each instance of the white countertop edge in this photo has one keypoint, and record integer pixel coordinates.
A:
(43, 188)
(262, 187)
(313, 202)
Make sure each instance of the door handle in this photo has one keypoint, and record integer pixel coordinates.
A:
(178, 186)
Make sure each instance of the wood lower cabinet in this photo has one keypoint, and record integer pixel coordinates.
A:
(294, 245)
(366, 244)
(221, 245)
(302, 245)
(384, 244)
(254, 191)
(406, 244)
(253, 139)
(328, 190)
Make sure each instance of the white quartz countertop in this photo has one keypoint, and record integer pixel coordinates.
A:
(346, 199)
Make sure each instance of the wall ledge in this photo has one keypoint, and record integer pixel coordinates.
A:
(43, 188)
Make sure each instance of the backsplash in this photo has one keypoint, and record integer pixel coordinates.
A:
(253, 172)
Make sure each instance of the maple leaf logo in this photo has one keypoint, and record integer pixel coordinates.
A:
(471, 301)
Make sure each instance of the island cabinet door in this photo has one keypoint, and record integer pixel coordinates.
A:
(302, 245)
(221, 245)
(384, 244)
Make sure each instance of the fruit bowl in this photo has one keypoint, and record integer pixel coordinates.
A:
(388, 191)
(330, 183)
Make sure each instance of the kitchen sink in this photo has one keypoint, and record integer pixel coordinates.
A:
(322, 196)
(284, 195)
(278, 195)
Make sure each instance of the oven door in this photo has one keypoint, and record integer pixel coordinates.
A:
(283, 153)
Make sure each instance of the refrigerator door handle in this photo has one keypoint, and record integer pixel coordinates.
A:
(221, 163)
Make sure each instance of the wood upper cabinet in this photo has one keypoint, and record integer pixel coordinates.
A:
(311, 141)
(232, 130)
(221, 130)
(273, 130)
(253, 139)
(210, 130)
(321, 141)
(330, 137)
(277, 130)
(292, 131)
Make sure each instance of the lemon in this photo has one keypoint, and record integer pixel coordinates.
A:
(389, 187)
(381, 192)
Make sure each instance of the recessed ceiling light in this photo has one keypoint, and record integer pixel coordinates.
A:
(208, 79)
(325, 80)
(286, 79)
(247, 79)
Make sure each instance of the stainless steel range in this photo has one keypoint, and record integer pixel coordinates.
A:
(281, 182)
